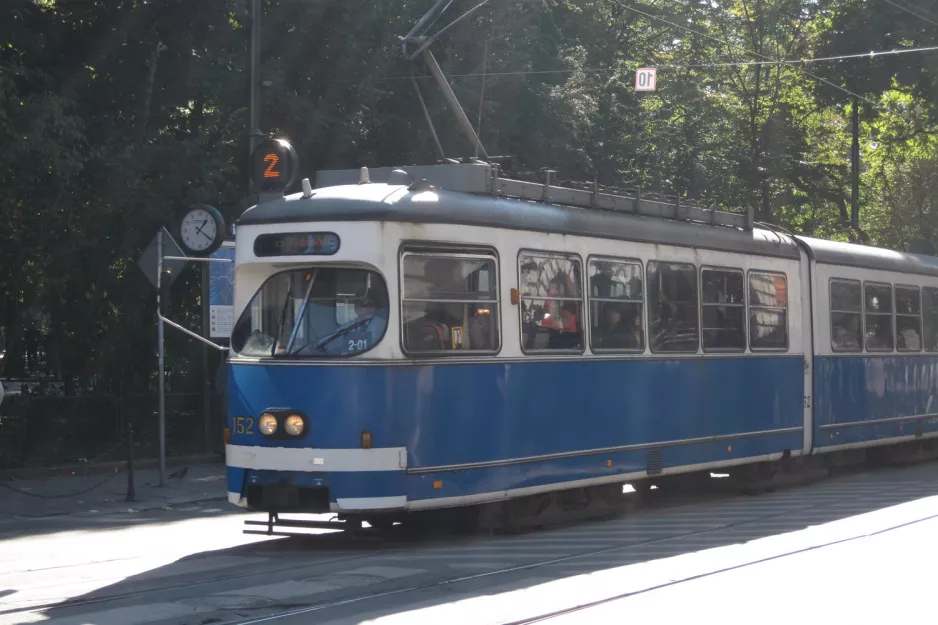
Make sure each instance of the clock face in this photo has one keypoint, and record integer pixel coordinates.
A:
(199, 230)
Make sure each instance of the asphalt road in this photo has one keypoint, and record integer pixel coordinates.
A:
(855, 548)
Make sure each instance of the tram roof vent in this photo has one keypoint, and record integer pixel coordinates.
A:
(399, 176)
(420, 185)
(483, 179)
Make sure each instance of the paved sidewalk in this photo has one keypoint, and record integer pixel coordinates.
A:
(105, 493)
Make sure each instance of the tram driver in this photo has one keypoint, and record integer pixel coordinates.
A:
(367, 328)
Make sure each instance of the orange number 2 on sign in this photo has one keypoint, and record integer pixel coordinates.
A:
(270, 172)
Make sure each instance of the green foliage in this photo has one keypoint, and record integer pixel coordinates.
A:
(114, 116)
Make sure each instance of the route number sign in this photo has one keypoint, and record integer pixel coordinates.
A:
(646, 78)
(275, 165)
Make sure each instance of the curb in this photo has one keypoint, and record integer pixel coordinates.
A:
(123, 507)
(140, 506)
(99, 468)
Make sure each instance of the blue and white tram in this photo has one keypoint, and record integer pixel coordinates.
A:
(876, 346)
(402, 348)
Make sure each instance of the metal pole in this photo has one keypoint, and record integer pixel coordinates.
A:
(131, 490)
(206, 387)
(254, 123)
(159, 340)
(485, 63)
(855, 170)
(426, 114)
(464, 124)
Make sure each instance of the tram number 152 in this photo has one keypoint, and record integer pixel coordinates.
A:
(244, 425)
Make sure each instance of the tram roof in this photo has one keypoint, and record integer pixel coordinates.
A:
(869, 257)
(397, 203)
(383, 202)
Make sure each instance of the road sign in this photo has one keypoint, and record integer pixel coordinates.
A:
(147, 260)
(646, 78)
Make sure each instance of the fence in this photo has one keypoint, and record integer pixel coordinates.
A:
(47, 431)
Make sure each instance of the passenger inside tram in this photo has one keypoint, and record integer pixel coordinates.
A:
(561, 315)
(445, 304)
(617, 330)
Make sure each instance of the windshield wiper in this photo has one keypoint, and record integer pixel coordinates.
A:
(331, 337)
(296, 320)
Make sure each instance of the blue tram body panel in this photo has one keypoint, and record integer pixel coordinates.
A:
(479, 427)
(854, 394)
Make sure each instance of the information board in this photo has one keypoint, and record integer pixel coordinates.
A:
(221, 293)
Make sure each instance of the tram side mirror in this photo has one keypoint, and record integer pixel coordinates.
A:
(166, 305)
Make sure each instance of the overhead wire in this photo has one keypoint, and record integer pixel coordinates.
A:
(910, 12)
(766, 60)
(800, 61)
(804, 61)
(747, 50)
(461, 18)
(431, 38)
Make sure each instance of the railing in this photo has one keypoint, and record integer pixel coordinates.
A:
(49, 431)
(483, 178)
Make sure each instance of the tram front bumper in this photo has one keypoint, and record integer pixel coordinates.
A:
(316, 480)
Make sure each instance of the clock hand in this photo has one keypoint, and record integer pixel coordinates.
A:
(199, 230)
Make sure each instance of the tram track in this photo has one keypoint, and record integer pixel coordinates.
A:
(420, 588)
(80, 602)
(666, 500)
(405, 544)
(592, 604)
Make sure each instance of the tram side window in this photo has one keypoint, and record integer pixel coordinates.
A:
(908, 319)
(877, 309)
(723, 309)
(551, 302)
(450, 303)
(615, 305)
(846, 310)
(768, 311)
(930, 318)
(672, 307)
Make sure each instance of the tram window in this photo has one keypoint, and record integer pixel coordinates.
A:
(450, 303)
(304, 313)
(672, 307)
(930, 318)
(723, 310)
(908, 319)
(846, 310)
(551, 302)
(877, 309)
(616, 305)
(768, 311)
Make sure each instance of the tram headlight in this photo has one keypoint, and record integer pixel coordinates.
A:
(294, 425)
(267, 424)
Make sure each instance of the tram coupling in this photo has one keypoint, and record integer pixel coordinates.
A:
(274, 521)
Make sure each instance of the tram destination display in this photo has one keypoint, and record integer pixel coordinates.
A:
(297, 244)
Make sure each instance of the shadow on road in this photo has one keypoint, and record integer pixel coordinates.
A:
(300, 572)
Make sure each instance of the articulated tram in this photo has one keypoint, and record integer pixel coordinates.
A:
(448, 338)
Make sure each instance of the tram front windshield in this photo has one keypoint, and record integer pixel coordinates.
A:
(315, 312)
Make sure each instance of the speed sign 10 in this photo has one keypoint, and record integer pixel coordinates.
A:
(646, 78)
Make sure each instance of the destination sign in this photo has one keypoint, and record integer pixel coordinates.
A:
(297, 244)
